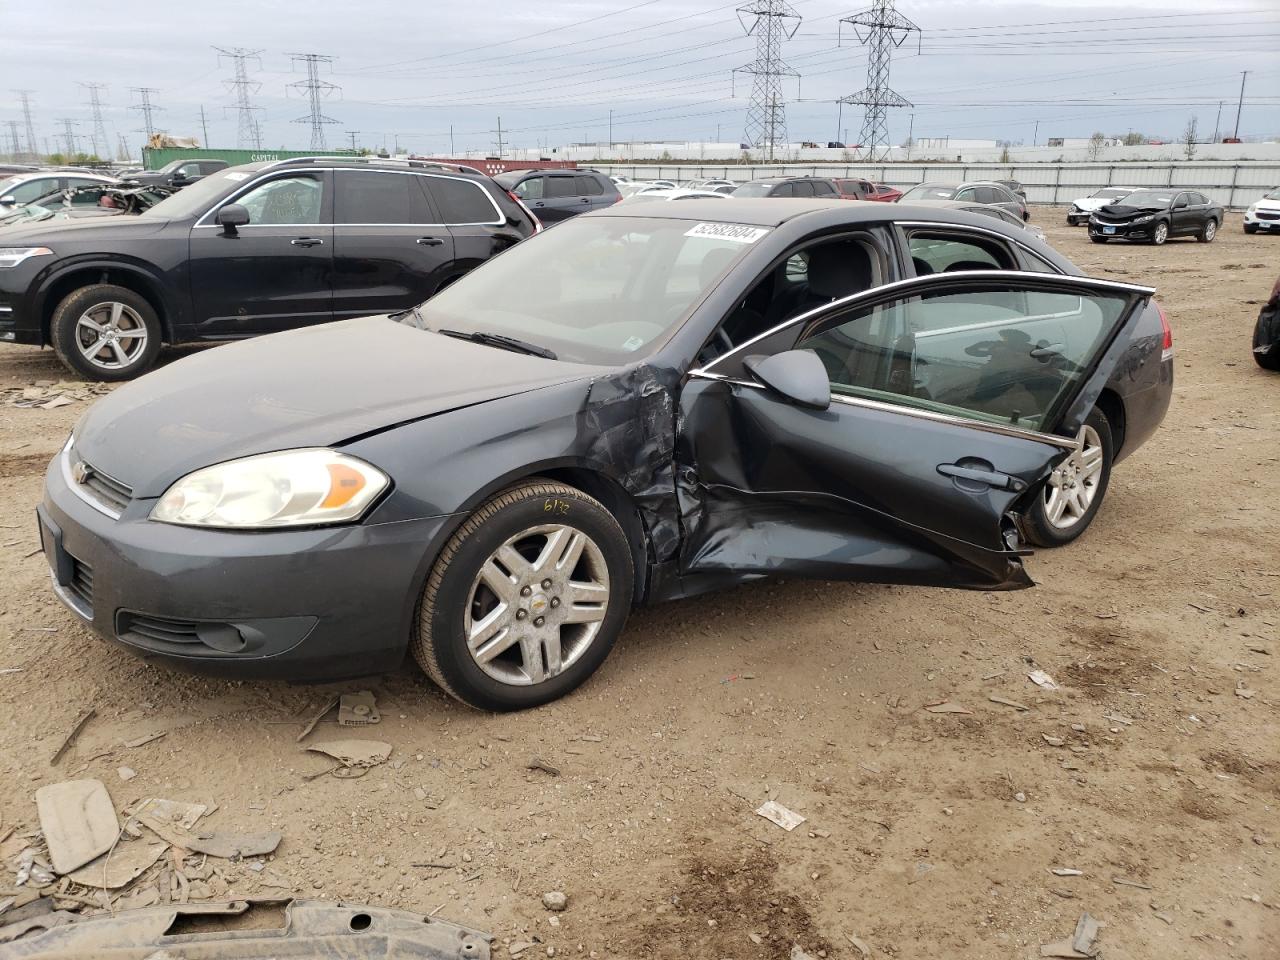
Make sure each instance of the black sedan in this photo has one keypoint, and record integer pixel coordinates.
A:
(1153, 216)
(639, 405)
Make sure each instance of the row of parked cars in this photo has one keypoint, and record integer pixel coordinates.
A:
(490, 460)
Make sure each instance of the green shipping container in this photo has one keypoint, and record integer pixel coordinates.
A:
(155, 159)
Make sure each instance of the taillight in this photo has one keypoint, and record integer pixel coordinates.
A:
(1167, 345)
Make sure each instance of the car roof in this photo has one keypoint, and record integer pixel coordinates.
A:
(364, 163)
(775, 211)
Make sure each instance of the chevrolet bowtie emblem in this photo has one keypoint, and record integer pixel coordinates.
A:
(80, 471)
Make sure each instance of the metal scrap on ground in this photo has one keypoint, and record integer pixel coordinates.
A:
(775, 812)
(78, 820)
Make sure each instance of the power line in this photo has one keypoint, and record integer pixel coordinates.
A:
(69, 135)
(25, 97)
(146, 107)
(766, 125)
(881, 29)
(101, 146)
(248, 132)
(317, 90)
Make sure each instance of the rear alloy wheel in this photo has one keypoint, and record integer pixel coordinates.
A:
(1160, 233)
(1074, 491)
(105, 332)
(1208, 231)
(526, 599)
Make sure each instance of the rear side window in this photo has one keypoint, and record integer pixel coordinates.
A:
(462, 201)
(558, 188)
(589, 187)
(954, 253)
(365, 196)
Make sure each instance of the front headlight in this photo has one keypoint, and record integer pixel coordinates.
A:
(292, 488)
(12, 256)
(1252, 210)
(1146, 219)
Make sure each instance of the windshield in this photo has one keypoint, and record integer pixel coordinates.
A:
(930, 191)
(1111, 193)
(1273, 195)
(198, 197)
(594, 289)
(1147, 198)
(753, 190)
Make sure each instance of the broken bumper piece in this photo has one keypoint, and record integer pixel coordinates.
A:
(248, 930)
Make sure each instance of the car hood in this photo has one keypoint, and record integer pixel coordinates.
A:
(306, 388)
(1091, 203)
(1265, 204)
(1118, 211)
(81, 230)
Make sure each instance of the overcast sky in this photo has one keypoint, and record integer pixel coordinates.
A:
(553, 69)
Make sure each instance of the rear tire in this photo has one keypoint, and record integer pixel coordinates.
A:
(1070, 499)
(105, 332)
(512, 618)
(1208, 231)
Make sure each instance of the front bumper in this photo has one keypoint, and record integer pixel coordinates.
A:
(303, 605)
(1077, 217)
(1122, 231)
(1263, 222)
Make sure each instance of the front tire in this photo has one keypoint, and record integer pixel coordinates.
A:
(1250, 228)
(527, 598)
(1208, 231)
(105, 332)
(1073, 493)
(1099, 239)
(1267, 330)
(1159, 233)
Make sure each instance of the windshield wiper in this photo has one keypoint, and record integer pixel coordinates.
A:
(505, 343)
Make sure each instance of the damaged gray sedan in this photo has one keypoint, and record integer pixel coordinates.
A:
(639, 405)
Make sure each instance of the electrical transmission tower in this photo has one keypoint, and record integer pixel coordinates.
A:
(248, 133)
(146, 108)
(880, 28)
(767, 116)
(69, 136)
(101, 145)
(25, 97)
(15, 147)
(316, 90)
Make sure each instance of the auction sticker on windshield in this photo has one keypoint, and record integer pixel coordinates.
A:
(728, 231)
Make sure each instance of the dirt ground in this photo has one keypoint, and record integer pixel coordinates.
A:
(928, 835)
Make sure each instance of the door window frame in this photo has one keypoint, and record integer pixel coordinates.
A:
(810, 321)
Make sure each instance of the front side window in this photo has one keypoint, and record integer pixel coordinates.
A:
(753, 190)
(188, 170)
(594, 289)
(996, 355)
(530, 189)
(29, 191)
(369, 196)
(285, 201)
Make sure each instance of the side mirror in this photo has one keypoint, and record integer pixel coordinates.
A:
(230, 217)
(797, 375)
(8, 200)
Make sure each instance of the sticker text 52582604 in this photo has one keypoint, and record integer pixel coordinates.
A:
(727, 231)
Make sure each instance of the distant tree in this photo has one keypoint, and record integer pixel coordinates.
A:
(57, 160)
(1096, 143)
(1132, 139)
(1004, 153)
(1190, 138)
(666, 156)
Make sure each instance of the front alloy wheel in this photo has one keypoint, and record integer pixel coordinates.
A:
(526, 599)
(1160, 233)
(106, 332)
(1074, 490)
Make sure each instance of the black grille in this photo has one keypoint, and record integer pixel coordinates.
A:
(1262, 215)
(169, 633)
(81, 582)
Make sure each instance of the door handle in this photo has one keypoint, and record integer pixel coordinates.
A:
(992, 478)
(431, 241)
(539, 204)
(307, 242)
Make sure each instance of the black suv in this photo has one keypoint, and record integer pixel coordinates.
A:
(179, 173)
(251, 250)
(819, 187)
(555, 195)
